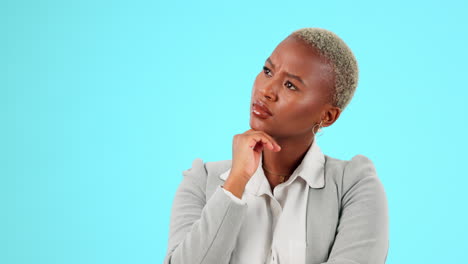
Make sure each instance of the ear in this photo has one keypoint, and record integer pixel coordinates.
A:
(330, 115)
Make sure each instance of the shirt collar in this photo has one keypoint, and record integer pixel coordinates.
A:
(311, 169)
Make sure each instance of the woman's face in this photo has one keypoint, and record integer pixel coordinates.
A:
(295, 84)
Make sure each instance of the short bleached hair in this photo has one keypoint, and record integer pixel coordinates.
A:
(342, 59)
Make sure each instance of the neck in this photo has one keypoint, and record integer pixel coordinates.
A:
(286, 161)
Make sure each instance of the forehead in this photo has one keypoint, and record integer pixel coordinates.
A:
(297, 57)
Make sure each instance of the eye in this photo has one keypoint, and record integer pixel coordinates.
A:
(266, 71)
(289, 85)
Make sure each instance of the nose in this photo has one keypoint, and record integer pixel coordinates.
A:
(268, 89)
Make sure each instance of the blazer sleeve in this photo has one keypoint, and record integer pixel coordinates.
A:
(202, 231)
(362, 233)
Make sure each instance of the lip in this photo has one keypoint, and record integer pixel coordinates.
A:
(260, 109)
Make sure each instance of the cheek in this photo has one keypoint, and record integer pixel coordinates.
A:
(302, 112)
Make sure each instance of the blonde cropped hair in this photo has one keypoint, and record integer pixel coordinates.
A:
(342, 59)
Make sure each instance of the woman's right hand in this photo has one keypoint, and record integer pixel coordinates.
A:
(246, 150)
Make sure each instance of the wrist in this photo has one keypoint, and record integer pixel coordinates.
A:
(235, 184)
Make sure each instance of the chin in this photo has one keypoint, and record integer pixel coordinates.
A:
(253, 124)
(257, 125)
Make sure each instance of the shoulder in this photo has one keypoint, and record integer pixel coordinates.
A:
(203, 170)
(216, 168)
(347, 173)
(203, 176)
(359, 168)
(361, 182)
(352, 168)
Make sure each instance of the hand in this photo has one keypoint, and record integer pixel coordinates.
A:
(246, 150)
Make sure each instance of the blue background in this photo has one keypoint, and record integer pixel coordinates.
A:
(103, 104)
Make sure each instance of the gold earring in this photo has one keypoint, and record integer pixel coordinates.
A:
(319, 129)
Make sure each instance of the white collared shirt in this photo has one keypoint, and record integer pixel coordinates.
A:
(274, 229)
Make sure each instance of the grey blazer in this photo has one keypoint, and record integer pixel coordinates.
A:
(347, 217)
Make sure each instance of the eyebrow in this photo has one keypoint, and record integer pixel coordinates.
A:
(287, 73)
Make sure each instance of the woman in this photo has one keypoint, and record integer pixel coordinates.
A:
(280, 199)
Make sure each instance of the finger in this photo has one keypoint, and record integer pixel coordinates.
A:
(274, 144)
(249, 131)
(256, 138)
(258, 147)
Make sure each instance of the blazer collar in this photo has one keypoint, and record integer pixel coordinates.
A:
(311, 169)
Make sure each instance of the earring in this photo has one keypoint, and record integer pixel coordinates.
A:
(319, 129)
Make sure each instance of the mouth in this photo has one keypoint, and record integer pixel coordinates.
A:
(259, 109)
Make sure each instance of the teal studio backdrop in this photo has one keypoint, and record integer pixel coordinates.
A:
(103, 104)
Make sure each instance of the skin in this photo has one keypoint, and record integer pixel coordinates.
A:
(296, 106)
